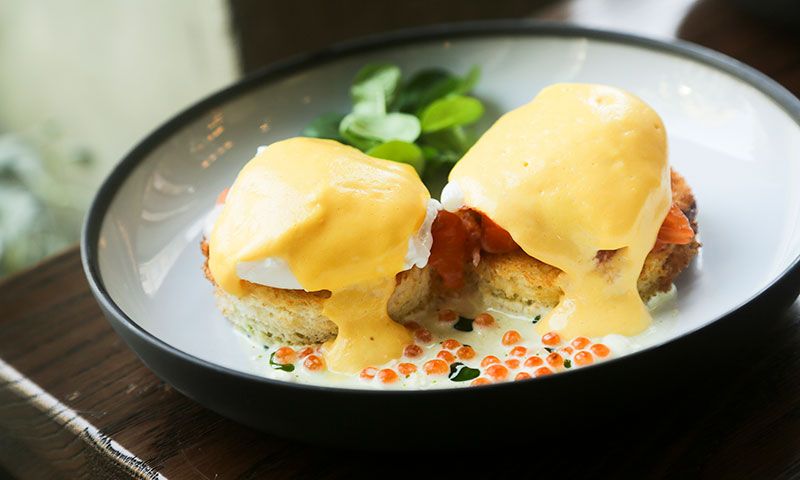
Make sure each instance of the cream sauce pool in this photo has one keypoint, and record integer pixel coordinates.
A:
(513, 359)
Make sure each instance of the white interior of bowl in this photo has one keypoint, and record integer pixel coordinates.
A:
(738, 149)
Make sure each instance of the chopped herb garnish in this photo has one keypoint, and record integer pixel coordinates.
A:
(549, 350)
(536, 319)
(286, 367)
(464, 324)
(462, 373)
(567, 363)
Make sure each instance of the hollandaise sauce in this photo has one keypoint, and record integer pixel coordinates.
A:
(578, 178)
(449, 350)
(579, 170)
(341, 221)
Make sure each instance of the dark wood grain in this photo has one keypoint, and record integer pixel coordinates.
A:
(69, 387)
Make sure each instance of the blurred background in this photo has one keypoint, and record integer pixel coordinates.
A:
(83, 81)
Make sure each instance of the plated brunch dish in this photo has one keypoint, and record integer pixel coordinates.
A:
(555, 236)
(391, 249)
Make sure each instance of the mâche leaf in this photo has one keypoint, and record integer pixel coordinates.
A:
(469, 81)
(399, 151)
(381, 128)
(324, 126)
(425, 87)
(452, 111)
(420, 122)
(375, 85)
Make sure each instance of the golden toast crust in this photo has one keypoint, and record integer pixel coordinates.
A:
(295, 317)
(521, 284)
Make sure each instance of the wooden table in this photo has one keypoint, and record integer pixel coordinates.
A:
(74, 401)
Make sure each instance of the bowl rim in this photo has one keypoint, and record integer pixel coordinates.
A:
(95, 217)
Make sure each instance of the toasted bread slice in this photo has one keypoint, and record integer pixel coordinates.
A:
(294, 317)
(517, 283)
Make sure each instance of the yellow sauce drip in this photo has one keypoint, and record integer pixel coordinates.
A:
(342, 221)
(367, 336)
(581, 168)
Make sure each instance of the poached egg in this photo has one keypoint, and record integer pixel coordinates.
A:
(579, 170)
(319, 215)
(275, 272)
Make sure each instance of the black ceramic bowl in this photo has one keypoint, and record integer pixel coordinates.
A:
(731, 130)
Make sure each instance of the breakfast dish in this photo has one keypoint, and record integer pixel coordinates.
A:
(583, 200)
(345, 271)
(733, 135)
(316, 242)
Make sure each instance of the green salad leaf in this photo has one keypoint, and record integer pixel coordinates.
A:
(375, 85)
(425, 87)
(422, 121)
(451, 111)
(382, 128)
(399, 151)
(324, 126)
(469, 81)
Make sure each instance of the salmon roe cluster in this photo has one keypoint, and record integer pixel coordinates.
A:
(519, 354)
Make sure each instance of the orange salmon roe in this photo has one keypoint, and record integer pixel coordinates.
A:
(518, 351)
(412, 351)
(466, 352)
(306, 352)
(447, 315)
(451, 344)
(580, 342)
(369, 373)
(511, 337)
(423, 335)
(406, 368)
(583, 358)
(488, 360)
(497, 372)
(568, 350)
(512, 363)
(522, 376)
(555, 360)
(542, 371)
(314, 363)
(551, 339)
(285, 355)
(387, 375)
(534, 362)
(436, 367)
(480, 381)
(446, 356)
(484, 320)
(600, 350)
